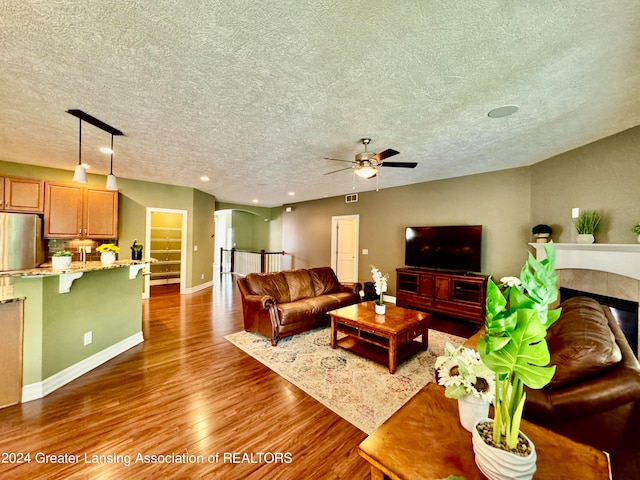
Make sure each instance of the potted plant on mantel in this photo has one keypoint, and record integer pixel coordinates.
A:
(514, 347)
(586, 225)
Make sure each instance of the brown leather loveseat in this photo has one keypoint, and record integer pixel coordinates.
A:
(594, 396)
(280, 304)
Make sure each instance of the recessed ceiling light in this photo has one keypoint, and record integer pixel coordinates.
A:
(504, 111)
(291, 194)
(106, 150)
(255, 200)
(204, 178)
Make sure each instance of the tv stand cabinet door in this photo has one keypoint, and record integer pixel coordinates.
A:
(443, 287)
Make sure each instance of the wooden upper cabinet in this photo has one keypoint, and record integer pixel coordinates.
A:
(80, 212)
(22, 195)
(100, 214)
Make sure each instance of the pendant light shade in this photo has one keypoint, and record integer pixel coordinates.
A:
(112, 182)
(80, 174)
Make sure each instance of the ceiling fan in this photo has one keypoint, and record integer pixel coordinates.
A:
(366, 163)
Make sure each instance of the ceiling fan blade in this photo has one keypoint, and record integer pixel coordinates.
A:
(336, 171)
(337, 159)
(399, 164)
(390, 152)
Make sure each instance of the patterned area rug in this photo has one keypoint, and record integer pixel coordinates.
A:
(361, 391)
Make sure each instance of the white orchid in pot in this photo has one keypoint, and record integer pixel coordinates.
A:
(380, 282)
(514, 347)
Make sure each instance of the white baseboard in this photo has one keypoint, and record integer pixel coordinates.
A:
(202, 286)
(33, 391)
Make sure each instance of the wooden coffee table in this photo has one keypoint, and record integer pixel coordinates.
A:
(424, 439)
(388, 339)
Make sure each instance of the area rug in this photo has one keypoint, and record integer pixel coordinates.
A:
(361, 391)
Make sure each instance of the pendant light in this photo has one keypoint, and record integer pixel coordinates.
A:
(112, 182)
(80, 174)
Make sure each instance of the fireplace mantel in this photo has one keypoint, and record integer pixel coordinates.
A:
(621, 259)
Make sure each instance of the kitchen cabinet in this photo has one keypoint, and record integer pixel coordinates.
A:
(80, 212)
(21, 195)
(448, 293)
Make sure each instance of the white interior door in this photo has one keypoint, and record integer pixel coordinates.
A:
(344, 247)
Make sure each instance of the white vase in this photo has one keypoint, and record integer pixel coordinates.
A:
(585, 238)
(498, 464)
(380, 309)
(107, 258)
(638, 238)
(471, 409)
(60, 263)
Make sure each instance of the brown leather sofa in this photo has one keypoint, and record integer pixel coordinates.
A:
(594, 396)
(281, 304)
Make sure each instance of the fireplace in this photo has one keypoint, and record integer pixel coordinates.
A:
(609, 273)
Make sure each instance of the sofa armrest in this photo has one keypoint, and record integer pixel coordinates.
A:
(614, 388)
(351, 287)
(259, 302)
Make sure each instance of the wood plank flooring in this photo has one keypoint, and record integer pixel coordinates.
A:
(184, 404)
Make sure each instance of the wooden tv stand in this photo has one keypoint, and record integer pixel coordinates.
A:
(449, 293)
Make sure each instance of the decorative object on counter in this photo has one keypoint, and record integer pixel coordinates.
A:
(515, 348)
(542, 233)
(465, 378)
(636, 230)
(61, 260)
(380, 282)
(80, 174)
(586, 225)
(136, 250)
(108, 253)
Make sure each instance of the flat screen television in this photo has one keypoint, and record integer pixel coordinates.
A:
(457, 248)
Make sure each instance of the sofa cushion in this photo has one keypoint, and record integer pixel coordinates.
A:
(300, 285)
(272, 284)
(580, 342)
(301, 310)
(324, 280)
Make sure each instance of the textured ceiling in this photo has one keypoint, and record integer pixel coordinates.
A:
(255, 94)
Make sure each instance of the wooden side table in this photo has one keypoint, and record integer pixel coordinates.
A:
(424, 440)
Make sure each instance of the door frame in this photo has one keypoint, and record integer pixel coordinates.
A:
(334, 243)
(183, 248)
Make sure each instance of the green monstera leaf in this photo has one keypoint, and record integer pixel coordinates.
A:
(525, 354)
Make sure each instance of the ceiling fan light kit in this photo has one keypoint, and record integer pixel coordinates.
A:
(366, 164)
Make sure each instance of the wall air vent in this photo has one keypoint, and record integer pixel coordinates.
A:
(351, 198)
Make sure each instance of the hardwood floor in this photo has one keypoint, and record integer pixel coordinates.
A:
(186, 403)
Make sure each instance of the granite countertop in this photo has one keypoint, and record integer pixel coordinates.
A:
(46, 269)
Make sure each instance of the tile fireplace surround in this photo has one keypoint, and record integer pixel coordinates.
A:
(612, 270)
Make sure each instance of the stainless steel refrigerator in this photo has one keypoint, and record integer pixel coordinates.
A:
(20, 241)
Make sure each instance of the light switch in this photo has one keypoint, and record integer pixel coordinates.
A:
(365, 251)
(575, 212)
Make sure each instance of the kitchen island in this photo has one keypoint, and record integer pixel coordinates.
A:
(75, 319)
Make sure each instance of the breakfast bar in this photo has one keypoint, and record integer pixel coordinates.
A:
(73, 320)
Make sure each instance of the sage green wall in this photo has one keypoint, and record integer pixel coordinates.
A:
(604, 176)
(134, 198)
(203, 228)
(105, 302)
(255, 228)
(499, 201)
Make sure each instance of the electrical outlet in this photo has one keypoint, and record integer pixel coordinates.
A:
(88, 338)
(575, 212)
(202, 277)
(195, 248)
